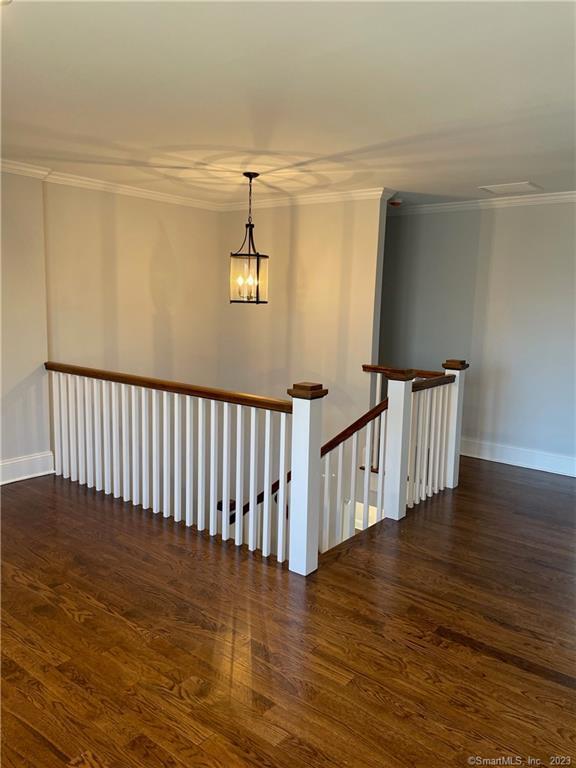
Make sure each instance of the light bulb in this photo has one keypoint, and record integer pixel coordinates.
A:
(240, 281)
(250, 280)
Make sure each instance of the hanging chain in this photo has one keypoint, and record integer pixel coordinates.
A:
(250, 202)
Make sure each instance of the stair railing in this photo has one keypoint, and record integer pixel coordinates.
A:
(407, 446)
(430, 432)
(191, 453)
(199, 454)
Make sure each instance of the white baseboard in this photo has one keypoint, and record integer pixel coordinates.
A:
(558, 463)
(24, 467)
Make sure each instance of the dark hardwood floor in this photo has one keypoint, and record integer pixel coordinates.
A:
(439, 641)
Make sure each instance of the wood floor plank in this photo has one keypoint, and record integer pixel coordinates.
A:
(129, 640)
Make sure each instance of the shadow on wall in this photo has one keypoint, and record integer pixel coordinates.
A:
(163, 275)
(110, 294)
(163, 278)
(305, 333)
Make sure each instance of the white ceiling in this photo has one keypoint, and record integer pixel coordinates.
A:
(432, 99)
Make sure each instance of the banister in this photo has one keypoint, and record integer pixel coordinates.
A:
(433, 379)
(208, 393)
(341, 437)
(357, 425)
(422, 374)
(437, 381)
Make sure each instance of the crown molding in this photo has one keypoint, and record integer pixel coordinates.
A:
(546, 198)
(375, 193)
(24, 169)
(85, 182)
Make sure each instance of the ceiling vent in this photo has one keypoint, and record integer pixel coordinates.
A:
(513, 188)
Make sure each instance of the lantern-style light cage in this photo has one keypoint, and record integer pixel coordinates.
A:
(248, 268)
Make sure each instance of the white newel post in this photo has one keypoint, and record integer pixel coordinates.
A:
(397, 442)
(306, 471)
(458, 369)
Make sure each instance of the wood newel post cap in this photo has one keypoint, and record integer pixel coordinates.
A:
(455, 365)
(307, 390)
(400, 374)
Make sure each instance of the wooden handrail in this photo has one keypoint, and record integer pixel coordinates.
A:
(369, 368)
(259, 499)
(437, 381)
(208, 393)
(341, 437)
(354, 427)
(433, 379)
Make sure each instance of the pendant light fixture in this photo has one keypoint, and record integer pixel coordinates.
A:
(248, 268)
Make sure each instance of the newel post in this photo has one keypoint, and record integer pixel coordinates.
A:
(397, 442)
(306, 470)
(458, 369)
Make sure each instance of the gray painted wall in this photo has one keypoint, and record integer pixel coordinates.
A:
(110, 281)
(25, 415)
(496, 287)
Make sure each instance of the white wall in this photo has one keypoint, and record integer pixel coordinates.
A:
(495, 287)
(132, 284)
(142, 286)
(318, 324)
(25, 430)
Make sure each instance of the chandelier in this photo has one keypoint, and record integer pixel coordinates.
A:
(248, 268)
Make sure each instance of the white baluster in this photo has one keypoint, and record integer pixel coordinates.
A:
(253, 490)
(421, 458)
(226, 472)
(166, 454)
(326, 507)
(439, 407)
(189, 479)
(177, 460)
(443, 428)
(106, 387)
(88, 419)
(353, 476)
(412, 452)
(381, 465)
(281, 538)
(213, 467)
(97, 421)
(426, 445)
(267, 512)
(339, 496)
(419, 448)
(145, 429)
(115, 442)
(56, 422)
(434, 419)
(155, 451)
(73, 428)
(367, 475)
(65, 431)
(429, 474)
(124, 391)
(201, 465)
(136, 459)
(81, 430)
(239, 475)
